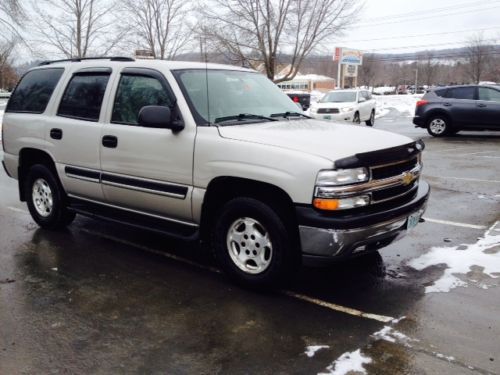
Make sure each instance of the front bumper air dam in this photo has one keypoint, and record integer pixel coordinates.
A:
(322, 244)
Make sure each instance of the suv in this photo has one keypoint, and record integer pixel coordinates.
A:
(346, 105)
(207, 152)
(447, 110)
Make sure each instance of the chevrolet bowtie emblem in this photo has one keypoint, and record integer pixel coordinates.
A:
(407, 178)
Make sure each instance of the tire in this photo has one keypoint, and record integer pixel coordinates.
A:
(252, 244)
(46, 198)
(356, 119)
(371, 121)
(439, 126)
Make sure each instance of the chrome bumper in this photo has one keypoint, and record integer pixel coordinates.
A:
(333, 243)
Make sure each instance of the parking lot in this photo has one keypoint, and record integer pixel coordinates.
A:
(105, 298)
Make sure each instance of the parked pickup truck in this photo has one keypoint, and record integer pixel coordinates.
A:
(208, 152)
(301, 98)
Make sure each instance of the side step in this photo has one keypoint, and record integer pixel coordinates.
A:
(123, 216)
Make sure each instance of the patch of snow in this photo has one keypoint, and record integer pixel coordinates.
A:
(384, 89)
(404, 104)
(312, 349)
(54, 269)
(347, 362)
(390, 334)
(396, 321)
(449, 358)
(461, 261)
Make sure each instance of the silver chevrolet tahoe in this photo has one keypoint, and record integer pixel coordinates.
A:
(207, 151)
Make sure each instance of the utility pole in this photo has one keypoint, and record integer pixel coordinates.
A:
(416, 79)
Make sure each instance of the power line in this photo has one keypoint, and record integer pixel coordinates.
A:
(426, 17)
(424, 45)
(423, 12)
(437, 57)
(418, 35)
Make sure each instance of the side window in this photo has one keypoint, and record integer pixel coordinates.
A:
(461, 93)
(440, 92)
(83, 96)
(135, 92)
(33, 93)
(488, 94)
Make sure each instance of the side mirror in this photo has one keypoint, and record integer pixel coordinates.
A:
(361, 99)
(154, 116)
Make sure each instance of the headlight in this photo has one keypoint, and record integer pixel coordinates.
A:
(341, 204)
(347, 109)
(342, 177)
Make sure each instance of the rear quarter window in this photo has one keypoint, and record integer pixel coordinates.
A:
(441, 92)
(34, 91)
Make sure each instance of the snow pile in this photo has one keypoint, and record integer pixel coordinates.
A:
(404, 104)
(460, 259)
(347, 362)
(312, 349)
(384, 90)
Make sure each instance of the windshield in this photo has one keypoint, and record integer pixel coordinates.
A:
(245, 96)
(339, 97)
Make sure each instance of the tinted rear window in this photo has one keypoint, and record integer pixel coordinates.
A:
(33, 93)
(83, 96)
(461, 93)
(440, 92)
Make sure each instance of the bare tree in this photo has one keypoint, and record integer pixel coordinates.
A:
(258, 32)
(478, 56)
(369, 70)
(76, 28)
(159, 25)
(6, 49)
(11, 16)
(427, 67)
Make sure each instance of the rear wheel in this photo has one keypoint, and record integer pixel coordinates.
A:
(438, 126)
(371, 120)
(252, 243)
(46, 199)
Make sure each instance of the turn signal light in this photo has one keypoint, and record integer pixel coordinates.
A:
(420, 103)
(326, 204)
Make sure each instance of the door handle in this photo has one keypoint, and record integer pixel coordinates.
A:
(447, 104)
(110, 141)
(481, 105)
(56, 133)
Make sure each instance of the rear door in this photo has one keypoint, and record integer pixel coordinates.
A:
(73, 134)
(489, 106)
(460, 103)
(146, 169)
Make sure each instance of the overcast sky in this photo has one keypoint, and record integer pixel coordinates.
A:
(400, 24)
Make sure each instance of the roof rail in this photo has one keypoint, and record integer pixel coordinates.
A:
(78, 59)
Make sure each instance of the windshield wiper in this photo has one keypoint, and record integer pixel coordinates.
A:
(289, 114)
(243, 117)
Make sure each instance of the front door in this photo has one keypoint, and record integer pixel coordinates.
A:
(146, 169)
(488, 106)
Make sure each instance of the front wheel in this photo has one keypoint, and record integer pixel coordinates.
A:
(46, 199)
(356, 119)
(438, 126)
(371, 120)
(252, 244)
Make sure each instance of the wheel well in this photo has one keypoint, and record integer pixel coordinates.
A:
(223, 189)
(437, 113)
(27, 158)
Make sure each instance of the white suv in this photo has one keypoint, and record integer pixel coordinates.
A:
(207, 151)
(353, 106)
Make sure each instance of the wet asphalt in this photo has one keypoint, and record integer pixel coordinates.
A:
(102, 298)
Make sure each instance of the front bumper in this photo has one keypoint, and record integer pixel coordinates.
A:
(339, 117)
(326, 239)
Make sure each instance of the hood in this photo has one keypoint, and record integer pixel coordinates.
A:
(325, 139)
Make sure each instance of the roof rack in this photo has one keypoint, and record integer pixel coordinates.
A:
(79, 59)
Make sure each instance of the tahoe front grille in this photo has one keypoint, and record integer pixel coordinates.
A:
(394, 169)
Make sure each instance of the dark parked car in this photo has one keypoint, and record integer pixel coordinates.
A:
(303, 98)
(447, 110)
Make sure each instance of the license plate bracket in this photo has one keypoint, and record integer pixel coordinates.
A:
(413, 220)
